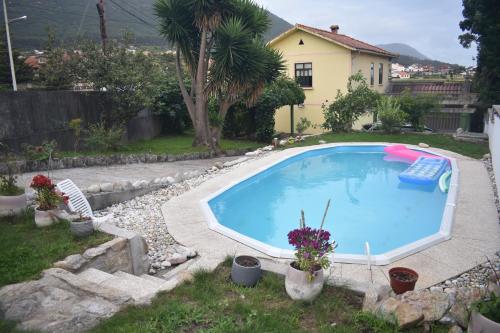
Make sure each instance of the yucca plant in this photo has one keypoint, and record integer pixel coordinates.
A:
(220, 43)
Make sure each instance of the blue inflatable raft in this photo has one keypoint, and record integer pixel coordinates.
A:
(424, 171)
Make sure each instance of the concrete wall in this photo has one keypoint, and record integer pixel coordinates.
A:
(492, 128)
(31, 117)
(331, 66)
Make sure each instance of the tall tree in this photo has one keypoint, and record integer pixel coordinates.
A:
(220, 42)
(481, 25)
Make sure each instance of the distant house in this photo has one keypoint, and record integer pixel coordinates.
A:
(322, 61)
(403, 75)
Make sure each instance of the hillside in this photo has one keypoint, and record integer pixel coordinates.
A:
(71, 19)
(403, 49)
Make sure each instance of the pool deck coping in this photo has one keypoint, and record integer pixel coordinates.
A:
(475, 231)
(380, 259)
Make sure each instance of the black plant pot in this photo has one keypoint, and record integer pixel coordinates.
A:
(246, 271)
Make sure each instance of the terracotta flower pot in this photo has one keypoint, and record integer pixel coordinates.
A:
(44, 218)
(402, 279)
(300, 287)
(246, 271)
(11, 205)
(480, 324)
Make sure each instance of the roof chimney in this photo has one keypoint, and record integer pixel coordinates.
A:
(334, 28)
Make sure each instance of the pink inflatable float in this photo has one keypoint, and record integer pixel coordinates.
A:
(400, 152)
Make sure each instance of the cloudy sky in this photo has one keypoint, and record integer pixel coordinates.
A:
(430, 26)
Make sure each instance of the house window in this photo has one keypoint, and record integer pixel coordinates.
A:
(303, 74)
(372, 74)
(380, 73)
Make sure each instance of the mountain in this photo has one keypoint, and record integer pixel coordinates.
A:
(403, 49)
(71, 19)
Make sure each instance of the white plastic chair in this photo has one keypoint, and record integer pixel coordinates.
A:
(78, 203)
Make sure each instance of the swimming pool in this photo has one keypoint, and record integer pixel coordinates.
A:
(369, 205)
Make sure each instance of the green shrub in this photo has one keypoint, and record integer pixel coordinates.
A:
(490, 308)
(416, 107)
(390, 114)
(43, 152)
(303, 125)
(170, 105)
(346, 109)
(101, 138)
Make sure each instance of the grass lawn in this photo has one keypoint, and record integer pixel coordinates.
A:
(212, 303)
(26, 250)
(179, 144)
(443, 141)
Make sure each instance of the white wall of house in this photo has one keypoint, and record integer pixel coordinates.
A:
(492, 128)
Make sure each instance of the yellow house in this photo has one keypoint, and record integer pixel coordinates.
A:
(322, 62)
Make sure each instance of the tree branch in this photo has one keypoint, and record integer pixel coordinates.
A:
(185, 95)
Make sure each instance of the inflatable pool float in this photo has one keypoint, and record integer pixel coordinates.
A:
(404, 153)
(424, 171)
(443, 184)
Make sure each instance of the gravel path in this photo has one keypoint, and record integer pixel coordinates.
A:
(84, 177)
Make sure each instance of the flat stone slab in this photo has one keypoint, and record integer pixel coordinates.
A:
(475, 233)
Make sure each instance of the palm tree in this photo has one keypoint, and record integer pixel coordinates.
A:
(220, 43)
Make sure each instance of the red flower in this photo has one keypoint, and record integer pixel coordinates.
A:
(39, 149)
(40, 182)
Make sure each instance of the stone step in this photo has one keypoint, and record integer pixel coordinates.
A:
(141, 290)
(153, 279)
(95, 275)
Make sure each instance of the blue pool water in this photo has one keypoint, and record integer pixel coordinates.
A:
(369, 202)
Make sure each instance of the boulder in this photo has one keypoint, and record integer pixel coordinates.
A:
(177, 258)
(93, 189)
(423, 145)
(118, 187)
(434, 305)
(408, 315)
(321, 142)
(71, 263)
(170, 180)
(107, 187)
(218, 165)
(459, 313)
(455, 329)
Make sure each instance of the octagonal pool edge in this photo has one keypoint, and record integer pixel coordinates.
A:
(379, 259)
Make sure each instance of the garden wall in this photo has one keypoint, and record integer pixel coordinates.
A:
(34, 116)
(492, 128)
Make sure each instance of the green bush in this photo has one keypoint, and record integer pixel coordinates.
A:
(40, 153)
(416, 107)
(490, 308)
(390, 114)
(101, 138)
(346, 109)
(170, 105)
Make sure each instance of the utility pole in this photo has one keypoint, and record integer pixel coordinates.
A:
(12, 69)
(102, 20)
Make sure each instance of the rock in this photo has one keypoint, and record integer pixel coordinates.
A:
(177, 258)
(404, 314)
(267, 148)
(455, 329)
(185, 276)
(71, 263)
(107, 187)
(165, 264)
(459, 313)
(157, 181)
(283, 142)
(117, 187)
(126, 185)
(94, 189)
(423, 145)
(170, 180)
(137, 184)
(371, 298)
(234, 162)
(433, 304)
(218, 165)
(94, 252)
(321, 142)
(182, 250)
(447, 320)
(408, 315)
(435, 289)
(253, 153)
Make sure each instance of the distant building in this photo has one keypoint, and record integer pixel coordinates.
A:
(403, 75)
(322, 61)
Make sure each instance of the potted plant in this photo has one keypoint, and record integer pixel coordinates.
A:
(304, 279)
(82, 226)
(12, 198)
(485, 316)
(47, 199)
(246, 271)
(301, 127)
(402, 279)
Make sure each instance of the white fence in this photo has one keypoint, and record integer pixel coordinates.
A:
(492, 128)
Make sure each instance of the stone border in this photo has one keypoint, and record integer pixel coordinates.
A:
(116, 159)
